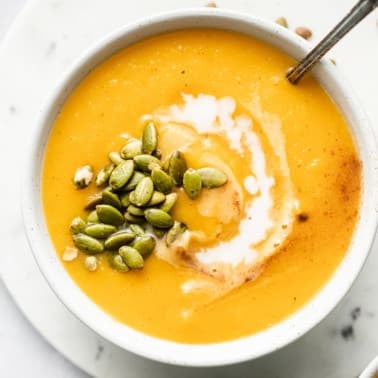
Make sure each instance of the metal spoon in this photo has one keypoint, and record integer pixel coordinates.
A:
(356, 14)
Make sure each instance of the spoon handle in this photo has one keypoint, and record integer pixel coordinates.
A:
(356, 14)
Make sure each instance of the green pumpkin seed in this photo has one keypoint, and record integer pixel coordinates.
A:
(92, 217)
(143, 191)
(115, 158)
(159, 232)
(135, 210)
(158, 218)
(125, 200)
(121, 174)
(104, 174)
(144, 245)
(177, 167)
(162, 181)
(90, 263)
(138, 230)
(133, 182)
(93, 200)
(165, 165)
(174, 232)
(157, 153)
(111, 198)
(192, 183)
(149, 138)
(132, 258)
(77, 225)
(118, 239)
(134, 219)
(132, 148)
(157, 197)
(83, 176)
(212, 177)
(109, 215)
(144, 161)
(99, 230)
(88, 244)
(170, 200)
(117, 263)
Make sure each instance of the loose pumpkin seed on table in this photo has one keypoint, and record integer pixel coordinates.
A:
(125, 218)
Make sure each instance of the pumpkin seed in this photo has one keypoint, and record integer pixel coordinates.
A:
(88, 244)
(138, 230)
(192, 183)
(77, 225)
(117, 263)
(132, 258)
(157, 197)
(144, 245)
(99, 230)
(143, 162)
(121, 174)
(133, 182)
(174, 232)
(104, 174)
(132, 148)
(158, 218)
(92, 217)
(212, 177)
(93, 200)
(111, 198)
(109, 215)
(143, 191)
(118, 239)
(125, 200)
(133, 219)
(149, 138)
(135, 210)
(83, 176)
(157, 153)
(282, 21)
(159, 232)
(115, 158)
(170, 200)
(162, 181)
(90, 263)
(177, 167)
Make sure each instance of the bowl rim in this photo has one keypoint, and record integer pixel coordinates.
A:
(211, 354)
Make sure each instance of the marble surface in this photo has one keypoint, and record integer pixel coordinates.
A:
(45, 38)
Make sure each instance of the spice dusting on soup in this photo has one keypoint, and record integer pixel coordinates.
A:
(210, 198)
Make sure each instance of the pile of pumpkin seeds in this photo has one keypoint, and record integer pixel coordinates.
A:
(133, 208)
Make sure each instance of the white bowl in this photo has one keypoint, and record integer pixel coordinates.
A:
(371, 371)
(245, 348)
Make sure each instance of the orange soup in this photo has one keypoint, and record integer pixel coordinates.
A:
(258, 247)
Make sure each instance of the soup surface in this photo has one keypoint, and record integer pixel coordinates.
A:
(263, 244)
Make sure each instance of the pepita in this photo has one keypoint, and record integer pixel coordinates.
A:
(77, 225)
(109, 215)
(132, 148)
(137, 229)
(92, 217)
(118, 239)
(111, 198)
(104, 174)
(170, 200)
(132, 258)
(133, 182)
(177, 167)
(117, 263)
(162, 181)
(174, 232)
(135, 210)
(121, 174)
(143, 162)
(159, 232)
(144, 245)
(157, 197)
(192, 183)
(143, 191)
(134, 219)
(212, 177)
(115, 158)
(99, 230)
(93, 200)
(149, 138)
(125, 199)
(88, 244)
(158, 218)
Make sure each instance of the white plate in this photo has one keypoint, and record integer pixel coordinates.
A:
(44, 40)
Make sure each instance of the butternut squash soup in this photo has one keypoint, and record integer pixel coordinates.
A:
(193, 193)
